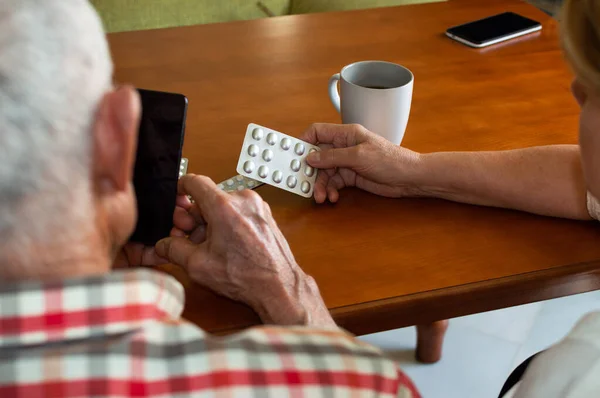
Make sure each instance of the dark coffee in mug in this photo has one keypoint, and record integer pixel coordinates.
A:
(377, 87)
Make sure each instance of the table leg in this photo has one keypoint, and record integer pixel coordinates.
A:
(430, 339)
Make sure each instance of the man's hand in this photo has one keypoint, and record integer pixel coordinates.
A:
(351, 155)
(136, 254)
(232, 245)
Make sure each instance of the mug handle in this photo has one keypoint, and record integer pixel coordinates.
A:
(334, 95)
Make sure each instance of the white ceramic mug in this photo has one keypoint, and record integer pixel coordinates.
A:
(376, 94)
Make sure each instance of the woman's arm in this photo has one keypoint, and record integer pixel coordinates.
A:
(545, 180)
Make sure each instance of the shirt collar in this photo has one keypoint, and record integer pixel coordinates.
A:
(33, 313)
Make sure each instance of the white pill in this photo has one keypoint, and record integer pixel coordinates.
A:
(312, 150)
(239, 178)
(249, 166)
(240, 188)
(253, 150)
(305, 187)
(258, 134)
(295, 165)
(221, 186)
(299, 149)
(181, 167)
(277, 176)
(251, 183)
(286, 144)
(267, 155)
(230, 182)
(309, 171)
(271, 139)
(292, 181)
(263, 171)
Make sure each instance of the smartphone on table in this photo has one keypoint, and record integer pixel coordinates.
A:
(494, 29)
(158, 158)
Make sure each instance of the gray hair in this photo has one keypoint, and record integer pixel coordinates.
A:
(54, 70)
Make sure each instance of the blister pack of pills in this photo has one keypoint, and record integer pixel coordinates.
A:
(277, 159)
(183, 166)
(239, 183)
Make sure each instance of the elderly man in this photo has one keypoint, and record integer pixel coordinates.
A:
(71, 327)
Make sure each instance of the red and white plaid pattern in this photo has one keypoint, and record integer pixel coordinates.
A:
(120, 335)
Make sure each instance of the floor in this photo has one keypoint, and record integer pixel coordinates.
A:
(481, 350)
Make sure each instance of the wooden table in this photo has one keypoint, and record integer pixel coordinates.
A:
(382, 263)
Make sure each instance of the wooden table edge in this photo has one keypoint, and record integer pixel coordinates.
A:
(426, 307)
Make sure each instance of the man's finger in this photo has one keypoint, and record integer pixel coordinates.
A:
(184, 202)
(198, 235)
(183, 220)
(327, 133)
(177, 233)
(151, 258)
(336, 157)
(176, 250)
(197, 215)
(204, 192)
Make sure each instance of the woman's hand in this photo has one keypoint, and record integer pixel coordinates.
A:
(351, 155)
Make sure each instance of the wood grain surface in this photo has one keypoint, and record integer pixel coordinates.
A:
(382, 263)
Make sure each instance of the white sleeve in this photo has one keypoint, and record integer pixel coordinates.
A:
(593, 206)
(569, 369)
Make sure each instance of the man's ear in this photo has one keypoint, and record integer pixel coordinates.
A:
(115, 140)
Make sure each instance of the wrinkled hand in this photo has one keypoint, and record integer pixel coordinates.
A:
(232, 245)
(136, 254)
(351, 155)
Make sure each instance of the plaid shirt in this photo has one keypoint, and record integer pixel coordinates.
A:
(121, 335)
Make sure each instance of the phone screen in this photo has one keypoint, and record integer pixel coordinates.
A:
(495, 27)
(156, 172)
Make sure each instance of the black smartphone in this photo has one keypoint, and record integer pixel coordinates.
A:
(492, 30)
(156, 173)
